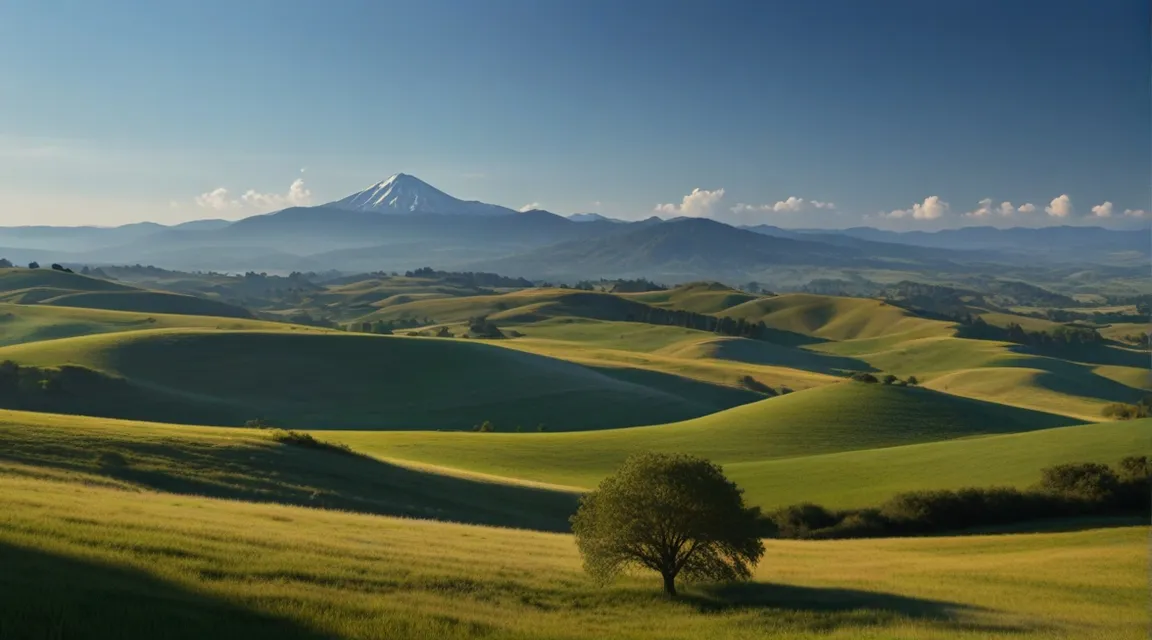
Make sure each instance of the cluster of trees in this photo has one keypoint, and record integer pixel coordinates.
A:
(723, 325)
(482, 327)
(1125, 411)
(1064, 490)
(888, 379)
(1062, 336)
(472, 279)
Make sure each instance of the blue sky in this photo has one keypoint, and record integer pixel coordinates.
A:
(896, 114)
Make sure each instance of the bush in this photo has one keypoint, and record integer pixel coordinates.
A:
(889, 379)
(750, 383)
(484, 427)
(1087, 480)
(864, 376)
(798, 520)
(258, 423)
(1124, 411)
(912, 381)
(301, 439)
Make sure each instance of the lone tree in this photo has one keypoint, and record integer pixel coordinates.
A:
(674, 514)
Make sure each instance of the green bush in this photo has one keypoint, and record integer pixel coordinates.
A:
(1087, 480)
(1124, 411)
(864, 376)
(302, 439)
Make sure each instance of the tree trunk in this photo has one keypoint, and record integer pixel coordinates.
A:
(670, 584)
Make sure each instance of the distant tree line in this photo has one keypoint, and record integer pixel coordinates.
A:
(470, 278)
(1063, 491)
(1062, 336)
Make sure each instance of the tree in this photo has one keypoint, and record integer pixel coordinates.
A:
(912, 381)
(5, 263)
(674, 514)
(33, 265)
(889, 379)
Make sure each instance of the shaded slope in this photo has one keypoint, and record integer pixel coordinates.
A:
(353, 381)
(839, 417)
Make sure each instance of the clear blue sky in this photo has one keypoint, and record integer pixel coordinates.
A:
(118, 111)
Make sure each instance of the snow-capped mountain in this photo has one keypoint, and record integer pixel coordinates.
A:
(404, 194)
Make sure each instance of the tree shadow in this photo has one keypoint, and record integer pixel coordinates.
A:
(49, 597)
(857, 606)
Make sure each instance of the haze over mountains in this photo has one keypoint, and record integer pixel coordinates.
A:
(404, 223)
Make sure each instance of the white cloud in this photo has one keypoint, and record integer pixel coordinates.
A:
(1027, 207)
(221, 200)
(1135, 213)
(1103, 210)
(1006, 208)
(530, 206)
(985, 209)
(1060, 207)
(700, 203)
(932, 208)
(791, 205)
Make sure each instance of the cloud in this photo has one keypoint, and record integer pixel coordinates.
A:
(985, 209)
(1135, 213)
(792, 205)
(932, 208)
(1006, 208)
(701, 203)
(220, 199)
(1027, 207)
(1060, 207)
(1103, 210)
(530, 206)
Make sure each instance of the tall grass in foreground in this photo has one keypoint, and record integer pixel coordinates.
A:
(83, 561)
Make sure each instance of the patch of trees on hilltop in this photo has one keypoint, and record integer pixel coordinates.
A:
(723, 325)
(1062, 336)
(473, 279)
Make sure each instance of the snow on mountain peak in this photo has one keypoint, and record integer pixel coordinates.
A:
(403, 193)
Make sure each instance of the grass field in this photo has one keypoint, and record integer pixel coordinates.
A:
(96, 562)
(357, 381)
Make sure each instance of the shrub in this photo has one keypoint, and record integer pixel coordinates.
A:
(864, 376)
(1086, 480)
(1124, 411)
(258, 423)
(443, 332)
(912, 381)
(1136, 469)
(889, 379)
(798, 520)
(302, 439)
(484, 427)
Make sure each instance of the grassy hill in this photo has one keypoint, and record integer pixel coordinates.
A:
(104, 563)
(841, 417)
(699, 297)
(60, 288)
(836, 318)
(355, 381)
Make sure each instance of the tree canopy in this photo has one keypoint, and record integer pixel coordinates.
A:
(674, 514)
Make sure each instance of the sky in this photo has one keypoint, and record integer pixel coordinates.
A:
(898, 114)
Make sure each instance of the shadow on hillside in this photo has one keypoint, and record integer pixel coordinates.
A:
(772, 354)
(1056, 525)
(48, 596)
(292, 475)
(1100, 354)
(866, 608)
(1076, 379)
(712, 397)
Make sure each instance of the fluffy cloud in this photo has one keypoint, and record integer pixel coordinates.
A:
(1060, 207)
(1135, 213)
(985, 208)
(221, 199)
(1027, 207)
(1006, 208)
(932, 208)
(1103, 210)
(700, 203)
(791, 205)
(530, 206)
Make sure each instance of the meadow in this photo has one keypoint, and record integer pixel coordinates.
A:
(135, 504)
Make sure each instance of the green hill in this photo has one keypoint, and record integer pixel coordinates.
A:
(60, 288)
(839, 417)
(835, 318)
(699, 297)
(355, 381)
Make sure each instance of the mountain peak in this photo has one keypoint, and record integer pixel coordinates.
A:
(402, 193)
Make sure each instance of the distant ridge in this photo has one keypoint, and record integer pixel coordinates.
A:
(405, 194)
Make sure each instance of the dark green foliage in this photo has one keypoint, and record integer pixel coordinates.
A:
(912, 381)
(57, 267)
(864, 376)
(639, 285)
(258, 423)
(1124, 411)
(469, 278)
(484, 427)
(302, 439)
(750, 383)
(481, 327)
(1060, 337)
(888, 378)
(443, 332)
(33, 265)
(674, 514)
(5, 263)
(1064, 491)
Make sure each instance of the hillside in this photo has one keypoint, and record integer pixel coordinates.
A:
(356, 381)
(59, 288)
(840, 417)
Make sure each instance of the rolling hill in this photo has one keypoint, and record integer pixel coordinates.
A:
(356, 381)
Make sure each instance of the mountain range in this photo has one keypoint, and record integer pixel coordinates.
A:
(403, 223)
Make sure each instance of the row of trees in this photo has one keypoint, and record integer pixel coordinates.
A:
(7, 264)
(1062, 336)
(1063, 491)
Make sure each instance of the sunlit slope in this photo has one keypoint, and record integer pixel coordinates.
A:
(528, 305)
(107, 564)
(246, 464)
(60, 288)
(21, 323)
(699, 297)
(840, 417)
(836, 318)
(356, 381)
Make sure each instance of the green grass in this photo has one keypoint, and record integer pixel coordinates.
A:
(836, 318)
(60, 288)
(698, 297)
(841, 417)
(357, 381)
(96, 562)
(254, 465)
